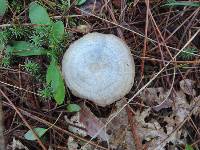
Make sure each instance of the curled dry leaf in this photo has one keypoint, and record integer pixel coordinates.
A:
(86, 119)
(73, 145)
(16, 144)
(155, 136)
(84, 28)
(119, 130)
(91, 6)
(158, 135)
(187, 86)
(158, 98)
(75, 121)
(197, 106)
(92, 124)
(181, 107)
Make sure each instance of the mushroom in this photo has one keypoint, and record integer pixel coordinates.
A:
(99, 67)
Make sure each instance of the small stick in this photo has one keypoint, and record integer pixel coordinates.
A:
(24, 120)
(2, 142)
(145, 38)
(55, 127)
(137, 140)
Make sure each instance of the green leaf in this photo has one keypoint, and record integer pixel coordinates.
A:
(22, 48)
(54, 78)
(39, 131)
(57, 32)
(191, 4)
(59, 94)
(73, 108)
(38, 14)
(3, 7)
(188, 147)
(50, 71)
(80, 2)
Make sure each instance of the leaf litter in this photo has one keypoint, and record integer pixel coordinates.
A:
(157, 125)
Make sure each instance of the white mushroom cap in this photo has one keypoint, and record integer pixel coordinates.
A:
(99, 67)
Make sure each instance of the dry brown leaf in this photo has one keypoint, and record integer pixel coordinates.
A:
(92, 124)
(83, 28)
(16, 144)
(75, 121)
(158, 98)
(120, 135)
(91, 6)
(155, 136)
(196, 102)
(187, 86)
(158, 136)
(181, 107)
(73, 145)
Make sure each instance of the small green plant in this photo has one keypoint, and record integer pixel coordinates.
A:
(17, 5)
(188, 53)
(39, 131)
(4, 6)
(32, 67)
(37, 40)
(188, 147)
(3, 37)
(65, 5)
(46, 39)
(46, 92)
(5, 62)
(18, 32)
(73, 108)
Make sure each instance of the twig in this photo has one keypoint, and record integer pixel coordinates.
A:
(2, 141)
(52, 125)
(16, 87)
(59, 128)
(187, 28)
(145, 38)
(132, 123)
(24, 120)
(152, 40)
(119, 31)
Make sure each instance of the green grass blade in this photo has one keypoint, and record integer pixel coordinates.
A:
(191, 4)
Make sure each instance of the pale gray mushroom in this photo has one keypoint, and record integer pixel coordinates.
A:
(99, 67)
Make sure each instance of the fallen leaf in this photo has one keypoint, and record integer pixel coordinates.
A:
(119, 130)
(196, 102)
(92, 123)
(73, 145)
(151, 131)
(84, 28)
(181, 107)
(91, 6)
(157, 98)
(155, 136)
(75, 121)
(187, 86)
(16, 144)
